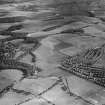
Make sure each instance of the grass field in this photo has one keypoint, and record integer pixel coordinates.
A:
(63, 27)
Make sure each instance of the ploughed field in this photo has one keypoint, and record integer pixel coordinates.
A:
(40, 41)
